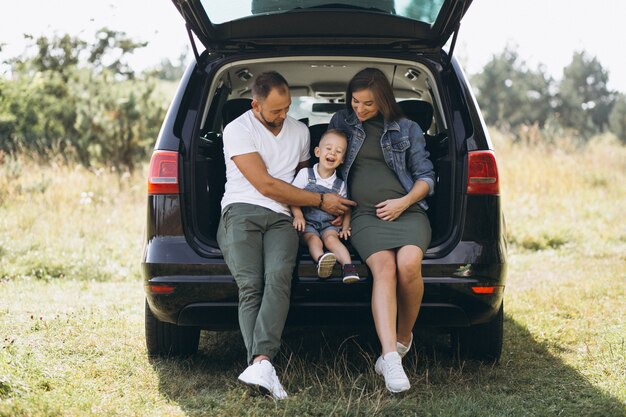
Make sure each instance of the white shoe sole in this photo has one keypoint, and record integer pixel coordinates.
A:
(326, 264)
(350, 279)
(257, 387)
(397, 391)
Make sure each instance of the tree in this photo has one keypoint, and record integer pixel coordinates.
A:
(510, 94)
(118, 121)
(58, 55)
(80, 100)
(168, 70)
(584, 100)
(111, 50)
(617, 118)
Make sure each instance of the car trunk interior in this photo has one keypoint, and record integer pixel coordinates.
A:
(317, 86)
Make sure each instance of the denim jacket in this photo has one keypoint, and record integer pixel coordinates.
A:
(403, 146)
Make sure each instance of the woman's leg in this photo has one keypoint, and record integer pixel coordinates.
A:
(410, 290)
(384, 305)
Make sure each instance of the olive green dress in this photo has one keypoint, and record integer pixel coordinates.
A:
(370, 182)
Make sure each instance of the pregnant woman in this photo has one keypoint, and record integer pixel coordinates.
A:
(389, 175)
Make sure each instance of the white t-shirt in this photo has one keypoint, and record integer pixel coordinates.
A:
(302, 179)
(281, 154)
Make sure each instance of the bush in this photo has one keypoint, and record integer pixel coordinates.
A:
(57, 104)
(617, 118)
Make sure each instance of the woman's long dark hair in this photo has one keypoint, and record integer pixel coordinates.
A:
(374, 80)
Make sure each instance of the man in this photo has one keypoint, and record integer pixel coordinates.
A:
(263, 149)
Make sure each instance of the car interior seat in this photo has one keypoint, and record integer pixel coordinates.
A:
(421, 112)
(316, 134)
(234, 108)
(210, 167)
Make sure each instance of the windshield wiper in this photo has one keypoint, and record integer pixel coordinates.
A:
(345, 6)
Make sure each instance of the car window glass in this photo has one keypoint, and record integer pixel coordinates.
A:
(220, 12)
(302, 107)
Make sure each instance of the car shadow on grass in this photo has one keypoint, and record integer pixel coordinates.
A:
(327, 371)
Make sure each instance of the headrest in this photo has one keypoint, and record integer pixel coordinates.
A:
(316, 134)
(234, 108)
(419, 111)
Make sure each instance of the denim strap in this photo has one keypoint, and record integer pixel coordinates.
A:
(312, 179)
(337, 185)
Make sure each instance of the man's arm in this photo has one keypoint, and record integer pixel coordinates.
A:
(253, 168)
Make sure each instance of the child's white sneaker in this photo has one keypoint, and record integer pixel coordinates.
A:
(390, 367)
(325, 265)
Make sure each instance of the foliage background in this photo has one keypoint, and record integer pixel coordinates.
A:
(80, 99)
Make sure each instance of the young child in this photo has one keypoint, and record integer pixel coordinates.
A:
(315, 223)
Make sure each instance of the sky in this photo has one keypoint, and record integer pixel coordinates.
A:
(545, 32)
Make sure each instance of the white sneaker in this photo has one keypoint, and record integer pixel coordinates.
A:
(259, 376)
(390, 367)
(325, 265)
(403, 350)
(278, 392)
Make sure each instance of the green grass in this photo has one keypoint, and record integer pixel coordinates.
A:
(69, 222)
(71, 308)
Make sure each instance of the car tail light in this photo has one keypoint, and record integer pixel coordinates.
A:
(163, 173)
(161, 288)
(482, 173)
(488, 289)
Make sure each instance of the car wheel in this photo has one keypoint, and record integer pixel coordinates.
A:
(166, 339)
(482, 341)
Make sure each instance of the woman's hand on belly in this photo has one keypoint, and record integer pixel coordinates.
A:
(391, 209)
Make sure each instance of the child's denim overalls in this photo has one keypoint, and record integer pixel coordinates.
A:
(317, 220)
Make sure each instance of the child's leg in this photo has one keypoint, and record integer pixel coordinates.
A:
(315, 245)
(333, 244)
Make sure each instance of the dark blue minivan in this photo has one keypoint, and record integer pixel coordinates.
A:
(318, 46)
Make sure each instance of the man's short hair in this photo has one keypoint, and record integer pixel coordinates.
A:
(266, 82)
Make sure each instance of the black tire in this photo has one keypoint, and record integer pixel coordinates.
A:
(166, 339)
(482, 341)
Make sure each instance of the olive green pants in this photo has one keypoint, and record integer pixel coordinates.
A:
(260, 248)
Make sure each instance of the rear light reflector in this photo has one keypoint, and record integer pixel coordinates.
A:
(163, 173)
(482, 173)
(486, 289)
(161, 289)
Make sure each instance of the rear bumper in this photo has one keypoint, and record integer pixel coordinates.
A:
(217, 316)
(211, 302)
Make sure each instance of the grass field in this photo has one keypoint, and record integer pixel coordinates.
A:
(71, 308)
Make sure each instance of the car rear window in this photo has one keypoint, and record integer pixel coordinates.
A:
(219, 12)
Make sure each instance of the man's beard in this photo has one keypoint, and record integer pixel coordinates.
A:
(272, 124)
